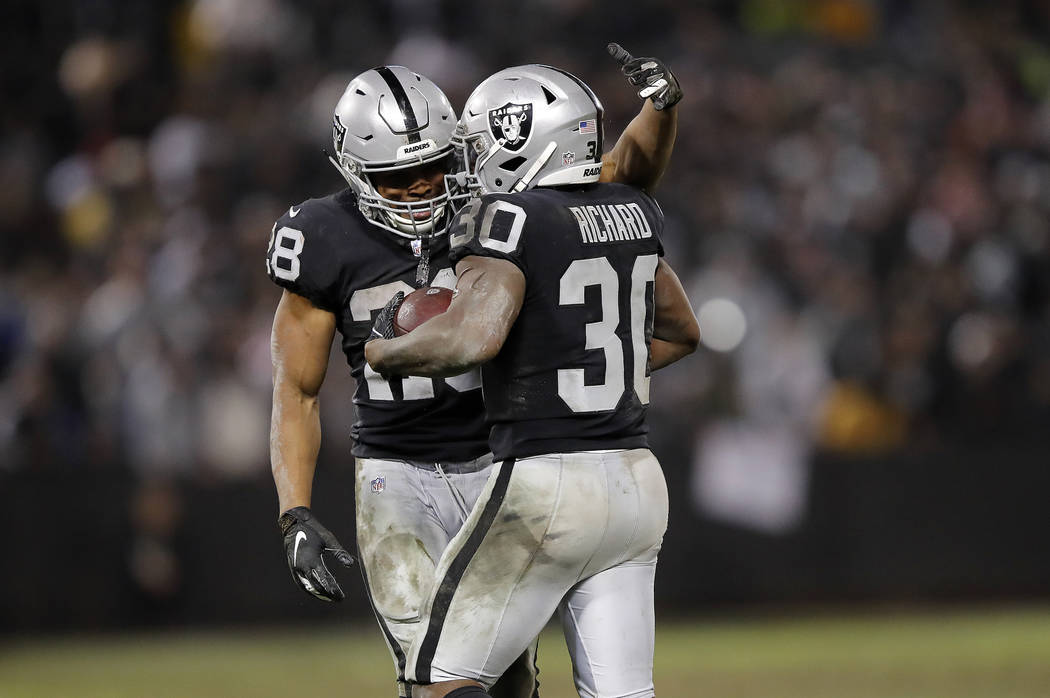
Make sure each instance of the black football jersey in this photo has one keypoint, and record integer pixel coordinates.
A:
(325, 250)
(573, 374)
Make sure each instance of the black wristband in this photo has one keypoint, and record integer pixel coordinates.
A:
(291, 517)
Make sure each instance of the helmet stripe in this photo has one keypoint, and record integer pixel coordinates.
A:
(403, 103)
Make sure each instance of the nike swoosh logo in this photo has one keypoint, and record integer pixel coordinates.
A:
(293, 212)
(299, 538)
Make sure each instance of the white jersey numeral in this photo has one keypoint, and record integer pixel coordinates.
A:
(464, 229)
(280, 251)
(466, 222)
(516, 225)
(601, 334)
(362, 303)
(643, 274)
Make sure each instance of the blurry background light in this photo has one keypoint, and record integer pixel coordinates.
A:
(722, 324)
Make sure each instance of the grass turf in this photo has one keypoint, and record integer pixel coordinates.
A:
(955, 654)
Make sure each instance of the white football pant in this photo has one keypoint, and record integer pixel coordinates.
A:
(577, 532)
(406, 516)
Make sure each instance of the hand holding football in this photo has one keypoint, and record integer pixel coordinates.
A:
(419, 306)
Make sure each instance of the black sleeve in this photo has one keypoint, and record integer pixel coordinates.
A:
(490, 226)
(304, 255)
(656, 214)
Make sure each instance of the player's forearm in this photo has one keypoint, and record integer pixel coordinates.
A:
(489, 294)
(663, 353)
(299, 345)
(439, 347)
(295, 440)
(644, 149)
(676, 332)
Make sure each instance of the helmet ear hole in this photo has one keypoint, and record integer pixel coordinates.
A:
(513, 164)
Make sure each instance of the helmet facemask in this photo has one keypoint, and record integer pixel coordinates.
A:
(408, 219)
(470, 149)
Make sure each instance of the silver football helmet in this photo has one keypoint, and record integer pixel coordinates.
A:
(391, 118)
(530, 126)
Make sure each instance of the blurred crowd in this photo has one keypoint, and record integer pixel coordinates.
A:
(858, 205)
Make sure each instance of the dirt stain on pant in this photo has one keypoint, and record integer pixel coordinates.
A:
(400, 574)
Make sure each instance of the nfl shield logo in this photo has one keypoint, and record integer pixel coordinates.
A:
(417, 247)
(378, 485)
(511, 123)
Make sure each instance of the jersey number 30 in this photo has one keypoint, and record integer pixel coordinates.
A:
(604, 396)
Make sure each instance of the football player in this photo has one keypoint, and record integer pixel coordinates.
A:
(565, 302)
(420, 444)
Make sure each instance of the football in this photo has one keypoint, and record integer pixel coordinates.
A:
(419, 306)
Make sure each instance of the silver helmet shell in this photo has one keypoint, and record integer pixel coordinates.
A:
(392, 118)
(530, 126)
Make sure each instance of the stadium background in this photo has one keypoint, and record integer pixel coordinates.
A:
(858, 206)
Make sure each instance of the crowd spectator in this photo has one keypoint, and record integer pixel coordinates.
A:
(858, 204)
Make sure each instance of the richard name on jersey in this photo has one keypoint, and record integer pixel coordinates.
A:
(325, 251)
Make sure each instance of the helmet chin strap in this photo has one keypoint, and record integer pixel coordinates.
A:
(523, 183)
(339, 167)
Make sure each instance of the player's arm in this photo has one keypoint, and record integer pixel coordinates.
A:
(489, 294)
(299, 346)
(643, 150)
(676, 332)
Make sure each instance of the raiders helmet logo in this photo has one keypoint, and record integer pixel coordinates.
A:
(513, 124)
(338, 134)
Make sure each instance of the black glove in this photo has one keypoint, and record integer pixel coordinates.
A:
(651, 74)
(384, 324)
(305, 542)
